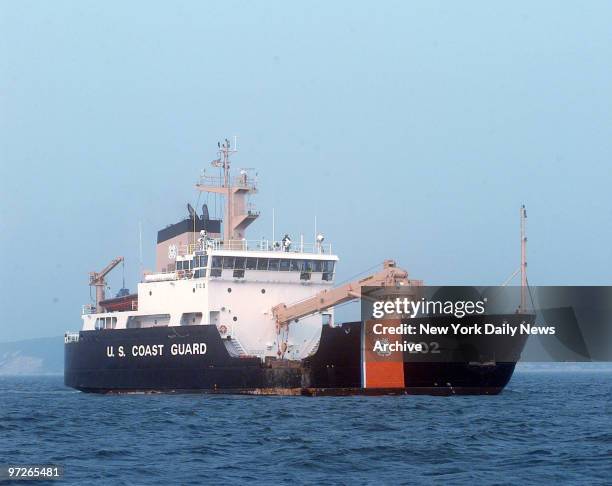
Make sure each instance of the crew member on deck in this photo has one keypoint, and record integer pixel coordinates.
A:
(286, 242)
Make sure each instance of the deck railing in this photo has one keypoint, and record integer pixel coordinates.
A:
(243, 181)
(258, 245)
(88, 309)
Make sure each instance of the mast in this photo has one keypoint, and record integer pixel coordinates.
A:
(237, 216)
(225, 151)
(523, 307)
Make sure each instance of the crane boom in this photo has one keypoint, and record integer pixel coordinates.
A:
(96, 279)
(389, 276)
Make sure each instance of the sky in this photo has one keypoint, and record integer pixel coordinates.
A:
(411, 130)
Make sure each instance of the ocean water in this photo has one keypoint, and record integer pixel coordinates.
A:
(546, 427)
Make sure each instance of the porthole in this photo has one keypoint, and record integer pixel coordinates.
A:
(263, 291)
(229, 290)
(235, 318)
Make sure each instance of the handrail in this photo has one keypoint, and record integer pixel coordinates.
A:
(240, 181)
(88, 309)
(215, 244)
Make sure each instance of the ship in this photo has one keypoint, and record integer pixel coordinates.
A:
(224, 314)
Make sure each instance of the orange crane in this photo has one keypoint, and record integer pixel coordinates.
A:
(389, 276)
(96, 279)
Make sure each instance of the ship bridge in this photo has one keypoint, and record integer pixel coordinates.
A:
(237, 259)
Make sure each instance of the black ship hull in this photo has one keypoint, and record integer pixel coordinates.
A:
(196, 359)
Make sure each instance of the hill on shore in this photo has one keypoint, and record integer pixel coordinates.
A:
(40, 356)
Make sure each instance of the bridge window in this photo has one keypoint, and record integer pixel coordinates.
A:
(216, 266)
(328, 270)
(184, 264)
(240, 264)
(200, 261)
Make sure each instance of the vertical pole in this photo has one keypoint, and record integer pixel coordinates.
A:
(228, 203)
(193, 237)
(523, 260)
(273, 235)
(140, 248)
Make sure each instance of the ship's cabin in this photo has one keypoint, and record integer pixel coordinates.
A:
(260, 259)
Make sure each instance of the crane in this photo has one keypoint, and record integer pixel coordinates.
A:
(389, 276)
(96, 279)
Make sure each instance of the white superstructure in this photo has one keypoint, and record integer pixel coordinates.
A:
(229, 282)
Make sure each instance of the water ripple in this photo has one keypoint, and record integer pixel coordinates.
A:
(544, 427)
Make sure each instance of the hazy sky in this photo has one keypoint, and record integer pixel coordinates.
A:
(413, 130)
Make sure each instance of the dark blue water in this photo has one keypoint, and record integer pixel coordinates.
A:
(545, 427)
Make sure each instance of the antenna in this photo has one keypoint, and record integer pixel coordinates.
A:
(225, 152)
(315, 233)
(523, 259)
(140, 248)
(273, 234)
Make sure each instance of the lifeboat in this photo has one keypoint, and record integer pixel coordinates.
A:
(120, 304)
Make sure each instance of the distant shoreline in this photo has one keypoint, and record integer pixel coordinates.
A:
(566, 367)
(528, 367)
